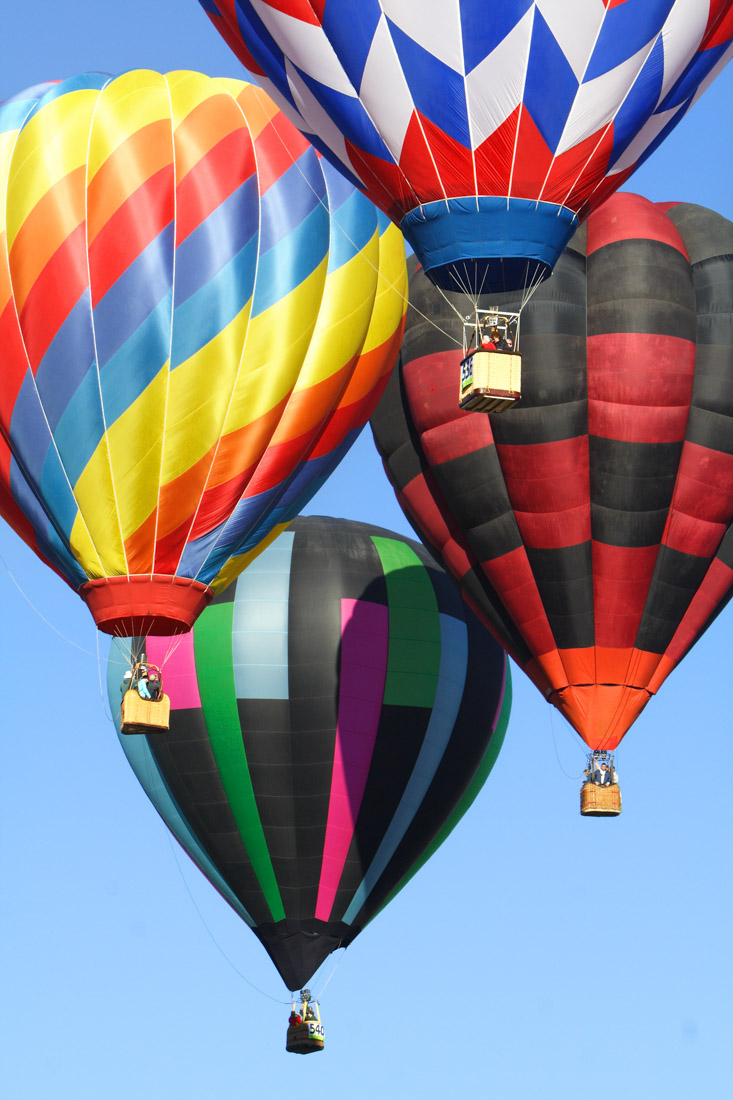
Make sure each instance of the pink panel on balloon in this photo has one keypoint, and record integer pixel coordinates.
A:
(178, 667)
(364, 646)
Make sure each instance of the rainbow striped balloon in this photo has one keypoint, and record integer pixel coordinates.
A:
(197, 317)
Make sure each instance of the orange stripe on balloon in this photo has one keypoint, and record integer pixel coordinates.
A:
(51, 222)
(129, 231)
(54, 294)
(307, 409)
(140, 157)
(212, 121)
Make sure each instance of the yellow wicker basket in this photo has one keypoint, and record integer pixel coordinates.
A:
(491, 381)
(597, 801)
(145, 715)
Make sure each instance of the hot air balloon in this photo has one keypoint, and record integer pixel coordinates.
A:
(333, 714)
(197, 315)
(485, 131)
(591, 527)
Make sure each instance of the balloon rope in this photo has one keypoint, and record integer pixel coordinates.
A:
(557, 755)
(223, 954)
(40, 615)
(105, 701)
(334, 968)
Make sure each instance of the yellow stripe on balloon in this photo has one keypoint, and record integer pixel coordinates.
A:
(258, 108)
(195, 402)
(201, 120)
(133, 447)
(51, 146)
(130, 103)
(390, 304)
(274, 351)
(343, 319)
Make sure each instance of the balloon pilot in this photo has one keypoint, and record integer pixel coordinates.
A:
(305, 1030)
(145, 708)
(491, 367)
(600, 795)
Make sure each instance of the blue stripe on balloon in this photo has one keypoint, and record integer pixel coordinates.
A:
(547, 67)
(627, 28)
(81, 427)
(204, 315)
(83, 82)
(131, 370)
(349, 117)
(338, 188)
(54, 489)
(640, 101)
(352, 31)
(260, 623)
(264, 50)
(207, 555)
(134, 297)
(448, 697)
(291, 199)
(66, 360)
(438, 92)
(685, 87)
(49, 541)
(482, 31)
(353, 225)
(222, 235)
(14, 112)
(290, 263)
(30, 438)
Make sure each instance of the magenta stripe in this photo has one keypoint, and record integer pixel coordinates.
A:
(364, 645)
(179, 669)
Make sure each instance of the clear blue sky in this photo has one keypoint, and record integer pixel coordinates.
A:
(537, 955)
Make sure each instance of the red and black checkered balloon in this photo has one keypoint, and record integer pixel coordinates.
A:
(590, 525)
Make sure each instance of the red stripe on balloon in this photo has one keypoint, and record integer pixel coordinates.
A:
(216, 175)
(639, 386)
(621, 579)
(549, 478)
(628, 218)
(129, 231)
(54, 294)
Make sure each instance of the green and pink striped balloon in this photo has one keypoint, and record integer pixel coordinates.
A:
(334, 712)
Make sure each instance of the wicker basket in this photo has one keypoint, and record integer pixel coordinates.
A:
(490, 381)
(145, 715)
(305, 1038)
(597, 801)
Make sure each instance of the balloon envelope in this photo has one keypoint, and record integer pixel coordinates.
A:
(591, 526)
(484, 130)
(333, 714)
(197, 315)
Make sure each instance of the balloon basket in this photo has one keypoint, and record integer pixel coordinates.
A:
(597, 801)
(301, 1040)
(490, 381)
(306, 1036)
(145, 715)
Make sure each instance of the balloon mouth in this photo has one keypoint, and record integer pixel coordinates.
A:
(140, 604)
(488, 244)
